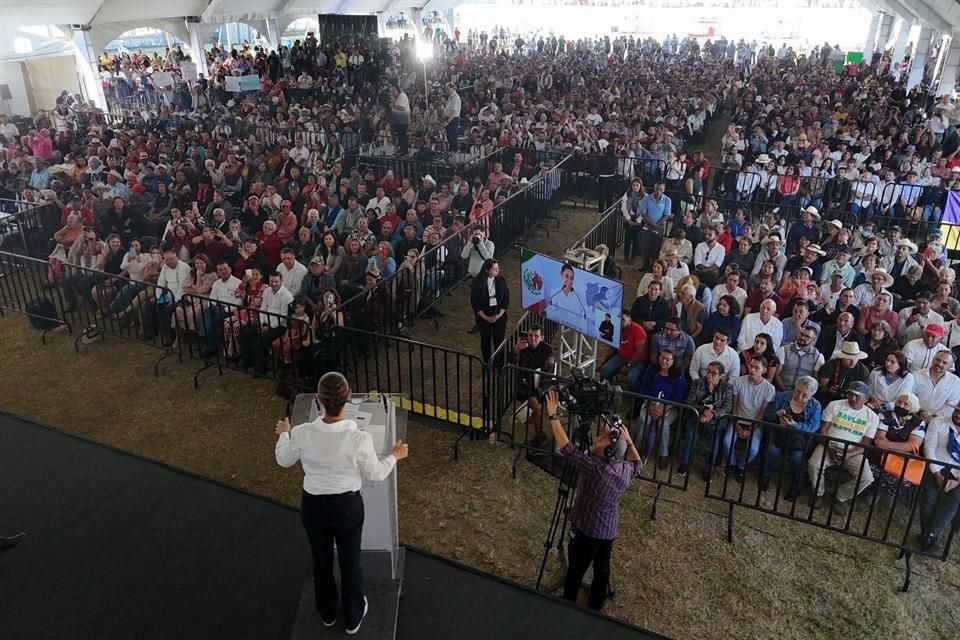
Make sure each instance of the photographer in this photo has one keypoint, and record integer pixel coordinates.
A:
(595, 516)
(533, 354)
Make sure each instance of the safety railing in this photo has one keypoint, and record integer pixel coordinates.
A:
(27, 228)
(863, 491)
(103, 304)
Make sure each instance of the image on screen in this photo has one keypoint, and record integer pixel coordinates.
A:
(583, 301)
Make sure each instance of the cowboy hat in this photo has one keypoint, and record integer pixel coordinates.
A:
(880, 271)
(762, 159)
(815, 248)
(115, 174)
(849, 351)
(812, 210)
(688, 279)
(429, 178)
(912, 248)
(773, 237)
(835, 223)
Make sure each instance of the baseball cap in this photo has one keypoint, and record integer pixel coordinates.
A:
(859, 388)
(317, 260)
(934, 329)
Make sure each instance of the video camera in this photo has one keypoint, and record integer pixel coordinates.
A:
(585, 396)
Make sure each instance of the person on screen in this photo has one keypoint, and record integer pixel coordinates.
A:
(606, 328)
(568, 301)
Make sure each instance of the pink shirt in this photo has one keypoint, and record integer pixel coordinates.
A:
(41, 146)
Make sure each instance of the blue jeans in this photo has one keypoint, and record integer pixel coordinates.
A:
(714, 429)
(210, 319)
(612, 367)
(795, 460)
(125, 296)
(730, 440)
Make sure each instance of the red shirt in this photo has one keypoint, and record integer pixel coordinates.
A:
(83, 212)
(628, 341)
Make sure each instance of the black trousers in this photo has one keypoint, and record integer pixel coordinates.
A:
(491, 335)
(606, 191)
(330, 519)
(453, 135)
(403, 142)
(583, 552)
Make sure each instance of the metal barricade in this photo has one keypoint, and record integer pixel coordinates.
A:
(26, 228)
(103, 304)
(805, 476)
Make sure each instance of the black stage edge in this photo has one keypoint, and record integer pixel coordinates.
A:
(123, 547)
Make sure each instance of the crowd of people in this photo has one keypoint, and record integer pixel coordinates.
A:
(789, 285)
(808, 286)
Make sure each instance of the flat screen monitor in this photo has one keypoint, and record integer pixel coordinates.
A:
(581, 300)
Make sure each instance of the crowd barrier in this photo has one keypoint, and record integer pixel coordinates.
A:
(884, 507)
(27, 229)
(417, 286)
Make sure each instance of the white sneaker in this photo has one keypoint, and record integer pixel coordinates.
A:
(355, 629)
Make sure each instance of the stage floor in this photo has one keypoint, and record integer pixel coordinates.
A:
(121, 547)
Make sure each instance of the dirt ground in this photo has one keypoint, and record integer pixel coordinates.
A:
(677, 576)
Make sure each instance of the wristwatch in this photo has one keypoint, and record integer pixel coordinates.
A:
(553, 417)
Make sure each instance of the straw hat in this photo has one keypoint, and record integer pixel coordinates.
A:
(115, 174)
(429, 178)
(849, 351)
(812, 210)
(762, 159)
(880, 271)
(815, 248)
(912, 248)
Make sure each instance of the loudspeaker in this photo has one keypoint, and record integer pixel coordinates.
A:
(5, 92)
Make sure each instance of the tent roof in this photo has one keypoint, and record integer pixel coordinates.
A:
(942, 15)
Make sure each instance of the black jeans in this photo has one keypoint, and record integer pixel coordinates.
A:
(328, 519)
(453, 135)
(583, 552)
(403, 143)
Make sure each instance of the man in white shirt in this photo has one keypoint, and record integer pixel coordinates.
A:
(566, 305)
(921, 351)
(707, 258)
(174, 275)
(940, 497)
(914, 320)
(225, 290)
(291, 271)
(718, 350)
(255, 339)
(300, 153)
(848, 423)
(763, 321)
(877, 281)
(729, 287)
(937, 389)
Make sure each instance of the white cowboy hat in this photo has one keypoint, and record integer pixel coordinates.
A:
(887, 278)
(835, 223)
(812, 210)
(815, 248)
(429, 178)
(849, 351)
(762, 159)
(911, 247)
(603, 144)
(116, 174)
(773, 237)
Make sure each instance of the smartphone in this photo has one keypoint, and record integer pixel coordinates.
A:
(248, 272)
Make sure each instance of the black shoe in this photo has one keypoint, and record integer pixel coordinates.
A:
(930, 544)
(763, 484)
(474, 329)
(329, 618)
(791, 495)
(9, 542)
(353, 630)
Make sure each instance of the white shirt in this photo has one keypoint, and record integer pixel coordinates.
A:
(847, 423)
(721, 290)
(300, 154)
(911, 333)
(225, 290)
(864, 295)
(378, 203)
(937, 399)
(887, 392)
(710, 257)
(935, 443)
(336, 457)
(752, 326)
(705, 354)
(277, 305)
(293, 277)
(173, 279)
(919, 356)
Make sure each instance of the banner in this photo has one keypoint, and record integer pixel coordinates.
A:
(232, 84)
(950, 222)
(250, 83)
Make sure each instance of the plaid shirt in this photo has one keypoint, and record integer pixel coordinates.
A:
(600, 485)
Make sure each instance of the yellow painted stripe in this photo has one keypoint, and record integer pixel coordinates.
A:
(447, 415)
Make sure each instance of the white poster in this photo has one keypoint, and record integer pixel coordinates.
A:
(232, 84)
(188, 70)
(162, 80)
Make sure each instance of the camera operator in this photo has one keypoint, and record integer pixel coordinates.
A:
(595, 516)
(532, 353)
(478, 250)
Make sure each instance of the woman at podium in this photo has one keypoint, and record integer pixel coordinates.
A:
(336, 457)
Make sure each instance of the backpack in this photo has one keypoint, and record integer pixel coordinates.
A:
(42, 314)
